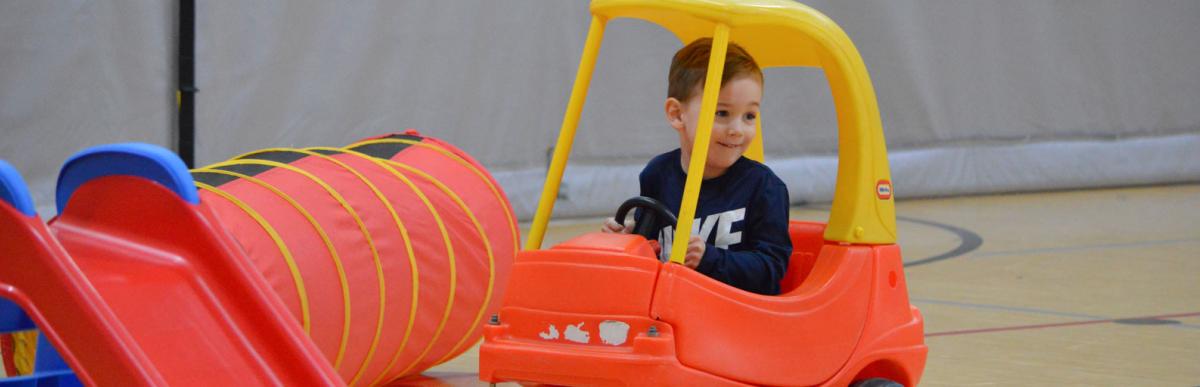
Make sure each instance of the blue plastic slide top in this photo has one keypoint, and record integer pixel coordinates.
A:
(49, 369)
(132, 159)
(14, 191)
(12, 318)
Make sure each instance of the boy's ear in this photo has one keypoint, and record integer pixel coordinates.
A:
(674, 110)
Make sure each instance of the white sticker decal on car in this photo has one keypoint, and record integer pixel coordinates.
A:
(614, 332)
(550, 334)
(577, 334)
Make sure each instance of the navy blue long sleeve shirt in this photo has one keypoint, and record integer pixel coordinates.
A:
(742, 216)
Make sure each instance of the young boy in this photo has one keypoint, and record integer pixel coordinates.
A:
(740, 235)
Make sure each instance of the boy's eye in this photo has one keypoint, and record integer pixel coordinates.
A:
(751, 116)
(722, 113)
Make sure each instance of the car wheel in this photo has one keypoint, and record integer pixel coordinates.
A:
(876, 382)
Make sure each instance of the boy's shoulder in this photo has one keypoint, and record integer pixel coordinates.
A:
(744, 171)
(747, 171)
(666, 159)
(663, 163)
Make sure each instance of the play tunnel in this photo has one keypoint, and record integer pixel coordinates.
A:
(390, 252)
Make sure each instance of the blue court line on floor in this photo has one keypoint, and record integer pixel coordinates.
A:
(968, 241)
(1063, 249)
(1058, 324)
(1037, 311)
(1006, 308)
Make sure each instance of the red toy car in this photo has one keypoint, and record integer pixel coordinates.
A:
(599, 309)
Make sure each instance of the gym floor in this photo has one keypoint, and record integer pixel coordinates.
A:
(1095, 288)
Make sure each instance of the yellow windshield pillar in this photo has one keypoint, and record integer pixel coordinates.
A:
(566, 135)
(863, 210)
(695, 172)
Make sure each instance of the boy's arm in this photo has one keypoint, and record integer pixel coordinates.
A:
(760, 268)
(647, 183)
(647, 187)
(610, 225)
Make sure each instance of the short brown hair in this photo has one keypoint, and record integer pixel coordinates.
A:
(690, 66)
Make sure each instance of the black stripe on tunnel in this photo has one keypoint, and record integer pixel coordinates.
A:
(282, 156)
(218, 179)
(403, 137)
(326, 152)
(213, 179)
(246, 169)
(382, 150)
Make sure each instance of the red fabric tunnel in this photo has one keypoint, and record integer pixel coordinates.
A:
(392, 252)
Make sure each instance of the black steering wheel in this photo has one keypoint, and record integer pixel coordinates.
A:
(655, 217)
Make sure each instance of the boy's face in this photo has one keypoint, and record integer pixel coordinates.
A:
(733, 126)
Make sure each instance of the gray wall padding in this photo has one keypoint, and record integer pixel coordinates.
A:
(74, 74)
(975, 97)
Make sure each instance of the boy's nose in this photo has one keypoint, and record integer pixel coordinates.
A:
(736, 129)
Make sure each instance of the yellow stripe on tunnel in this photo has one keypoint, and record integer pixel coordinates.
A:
(450, 257)
(325, 237)
(301, 292)
(495, 191)
(486, 245)
(378, 265)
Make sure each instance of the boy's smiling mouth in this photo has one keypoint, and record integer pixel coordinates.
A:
(727, 145)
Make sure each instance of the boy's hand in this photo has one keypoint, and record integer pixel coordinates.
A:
(612, 227)
(695, 252)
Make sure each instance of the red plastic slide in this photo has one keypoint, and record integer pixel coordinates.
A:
(137, 285)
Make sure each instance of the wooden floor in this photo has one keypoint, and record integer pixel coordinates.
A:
(1083, 288)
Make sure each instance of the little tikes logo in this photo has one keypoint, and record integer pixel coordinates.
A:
(883, 189)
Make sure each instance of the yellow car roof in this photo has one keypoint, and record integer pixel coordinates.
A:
(776, 33)
(786, 33)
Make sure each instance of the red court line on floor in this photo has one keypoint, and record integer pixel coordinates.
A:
(1055, 325)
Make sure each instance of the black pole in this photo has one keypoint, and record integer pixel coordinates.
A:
(186, 93)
